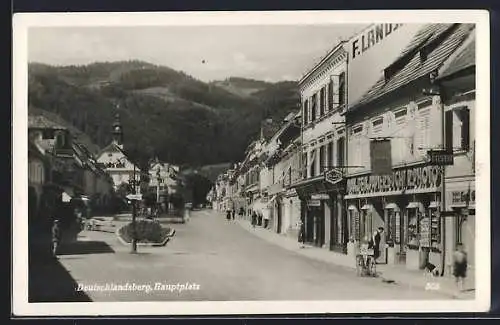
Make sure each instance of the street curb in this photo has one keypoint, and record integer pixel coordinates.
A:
(163, 243)
(388, 278)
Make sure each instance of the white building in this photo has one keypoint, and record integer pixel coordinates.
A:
(115, 161)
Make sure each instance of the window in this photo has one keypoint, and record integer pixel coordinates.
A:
(340, 151)
(413, 227)
(458, 129)
(306, 112)
(322, 102)
(330, 155)
(377, 125)
(322, 156)
(331, 94)
(423, 132)
(312, 163)
(357, 145)
(400, 116)
(48, 134)
(342, 89)
(314, 102)
(304, 165)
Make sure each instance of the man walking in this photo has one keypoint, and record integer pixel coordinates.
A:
(56, 237)
(375, 242)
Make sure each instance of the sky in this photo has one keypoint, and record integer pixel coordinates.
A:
(270, 53)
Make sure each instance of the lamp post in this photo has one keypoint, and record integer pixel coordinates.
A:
(134, 216)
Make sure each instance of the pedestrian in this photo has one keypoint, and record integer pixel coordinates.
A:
(241, 212)
(56, 237)
(254, 218)
(228, 215)
(265, 215)
(233, 212)
(375, 242)
(302, 233)
(460, 266)
(260, 216)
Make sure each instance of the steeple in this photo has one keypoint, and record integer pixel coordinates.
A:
(117, 131)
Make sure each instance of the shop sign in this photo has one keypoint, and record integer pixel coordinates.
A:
(423, 177)
(333, 176)
(440, 157)
(314, 203)
(320, 197)
(463, 197)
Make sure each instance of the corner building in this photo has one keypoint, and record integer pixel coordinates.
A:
(405, 201)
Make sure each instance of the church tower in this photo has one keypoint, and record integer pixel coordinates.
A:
(118, 132)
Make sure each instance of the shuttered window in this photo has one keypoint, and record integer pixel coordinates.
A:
(314, 103)
(423, 131)
(306, 112)
(331, 95)
(322, 102)
(342, 87)
(322, 157)
(357, 145)
(340, 151)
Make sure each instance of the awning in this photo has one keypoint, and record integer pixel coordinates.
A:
(434, 204)
(413, 205)
(352, 207)
(366, 207)
(392, 206)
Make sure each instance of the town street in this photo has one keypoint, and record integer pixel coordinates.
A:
(219, 260)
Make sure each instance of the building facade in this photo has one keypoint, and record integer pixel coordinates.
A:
(398, 121)
(115, 162)
(323, 95)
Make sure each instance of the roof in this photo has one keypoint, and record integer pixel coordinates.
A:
(465, 58)
(41, 122)
(112, 147)
(434, 41)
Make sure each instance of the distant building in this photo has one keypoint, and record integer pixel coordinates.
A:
(115, 162)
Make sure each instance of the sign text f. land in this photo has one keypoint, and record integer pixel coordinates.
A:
(371, 37)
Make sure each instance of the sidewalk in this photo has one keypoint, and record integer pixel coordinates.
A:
(388, 273)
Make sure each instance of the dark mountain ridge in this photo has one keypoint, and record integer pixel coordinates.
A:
(164, 112)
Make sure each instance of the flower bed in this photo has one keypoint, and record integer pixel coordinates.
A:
(147, 232)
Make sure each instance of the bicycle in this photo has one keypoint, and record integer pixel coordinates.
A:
(365, 262)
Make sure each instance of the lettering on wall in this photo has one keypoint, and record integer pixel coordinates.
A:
(461, 197)
(371, 37)
(426, 177)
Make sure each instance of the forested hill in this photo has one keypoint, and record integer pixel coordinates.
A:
(164, 112)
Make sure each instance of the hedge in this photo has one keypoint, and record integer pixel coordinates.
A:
(147, 232)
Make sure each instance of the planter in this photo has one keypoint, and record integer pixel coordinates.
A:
(148, 233)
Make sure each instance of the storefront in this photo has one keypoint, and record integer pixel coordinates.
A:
(322, 215)
(406, 204)
(461, 202)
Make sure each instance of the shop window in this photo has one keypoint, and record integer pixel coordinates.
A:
(314, 102)
(435, 229)
(458, 129)
(392, 236)
(459, 229)
(354, 225)
(413, 227)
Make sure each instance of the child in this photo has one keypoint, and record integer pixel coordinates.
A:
(460, 266)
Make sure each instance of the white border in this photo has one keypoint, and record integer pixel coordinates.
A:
(21, 24)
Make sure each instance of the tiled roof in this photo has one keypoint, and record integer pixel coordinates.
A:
(432, 39)
(464, 59)
(41, 122)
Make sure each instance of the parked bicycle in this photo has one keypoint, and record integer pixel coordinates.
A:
(365, 261)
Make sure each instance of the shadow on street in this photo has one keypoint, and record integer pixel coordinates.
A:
(49, 281)
(85, 247)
